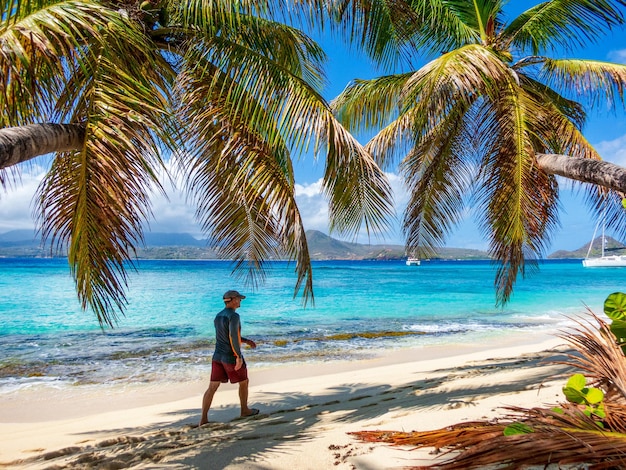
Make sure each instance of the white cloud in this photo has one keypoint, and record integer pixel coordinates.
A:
(613, 150)
(171, 212)
(313, 206)
(618, 56)
(16, 202)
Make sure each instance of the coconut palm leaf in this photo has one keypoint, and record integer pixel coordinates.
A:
(370, 103)
(37, 39)
(244, 188)
(384, 28)
(481, 445)
(437, 175)
(393, 30)
(94, 201)
(563, 24)
(246, 115)
(596, 82)
(357, 189)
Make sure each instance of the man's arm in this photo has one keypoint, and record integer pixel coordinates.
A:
(234, 328)
(249, 342)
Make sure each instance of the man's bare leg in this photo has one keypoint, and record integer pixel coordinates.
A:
(243, 398)
(207, 399)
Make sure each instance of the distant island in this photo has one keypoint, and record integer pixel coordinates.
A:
(25, 244)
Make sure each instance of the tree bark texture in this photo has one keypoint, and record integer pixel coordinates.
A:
(20, 144)
(598, 172)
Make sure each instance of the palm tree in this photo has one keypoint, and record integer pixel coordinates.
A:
(227, 88)
(490, 119)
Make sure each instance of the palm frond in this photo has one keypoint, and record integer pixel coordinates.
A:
(519, 201)
(358, 190)
(462, 75)
(438, 175)
(243, 187)
(38, 40)
(590, 81)
(563, 435)
(563, 24)
(447, 25)
(481, 445)
(95, 200)
(366, 104)
(383, 28)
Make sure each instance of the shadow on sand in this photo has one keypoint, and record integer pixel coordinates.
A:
(288, 419)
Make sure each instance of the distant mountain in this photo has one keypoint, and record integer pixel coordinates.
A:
(611, 247)
(24, 243)
(324, 247)
(19, 238)
(172, 239)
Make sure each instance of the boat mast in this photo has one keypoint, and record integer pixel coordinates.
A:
(595, 230)
(603, 239)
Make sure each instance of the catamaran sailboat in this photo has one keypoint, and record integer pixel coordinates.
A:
(604, 261)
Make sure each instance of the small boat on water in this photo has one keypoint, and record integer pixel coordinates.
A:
(605, 262)
(413, 261)
(615, 261)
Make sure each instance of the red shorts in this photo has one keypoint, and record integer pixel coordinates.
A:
(223, 372)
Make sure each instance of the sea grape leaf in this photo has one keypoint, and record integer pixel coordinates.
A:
(599, 411)
(576, 381)
(574, 395)
(594, 395)
(517, 428)
(618, 328)
(615, 306)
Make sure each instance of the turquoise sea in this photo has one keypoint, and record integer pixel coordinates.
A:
(361, 307)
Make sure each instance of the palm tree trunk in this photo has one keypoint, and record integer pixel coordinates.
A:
(19, 144)
(598, 172)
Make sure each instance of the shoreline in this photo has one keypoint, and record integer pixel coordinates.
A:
(306, 408)
(129, 395)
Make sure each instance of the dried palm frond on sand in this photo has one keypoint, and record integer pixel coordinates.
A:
(567, 436)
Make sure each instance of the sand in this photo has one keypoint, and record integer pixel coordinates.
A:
(307, 413)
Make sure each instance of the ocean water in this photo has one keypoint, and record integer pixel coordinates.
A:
(361, 307)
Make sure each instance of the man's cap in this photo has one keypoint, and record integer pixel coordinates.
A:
(231, 294)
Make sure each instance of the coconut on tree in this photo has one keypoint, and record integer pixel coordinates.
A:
(491, 118)
(226, 88)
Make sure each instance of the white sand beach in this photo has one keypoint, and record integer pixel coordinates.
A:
(307, 413)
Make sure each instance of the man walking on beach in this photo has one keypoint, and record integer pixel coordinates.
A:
(228, 363)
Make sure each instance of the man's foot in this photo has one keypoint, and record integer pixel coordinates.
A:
(251, 412)
(203, 422)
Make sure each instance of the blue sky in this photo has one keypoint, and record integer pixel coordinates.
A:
(605, 130)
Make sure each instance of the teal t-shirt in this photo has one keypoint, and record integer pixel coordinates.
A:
(227, 336)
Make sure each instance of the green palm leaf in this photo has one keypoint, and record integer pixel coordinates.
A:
(94, 201)
(596, 82)
(563, 24)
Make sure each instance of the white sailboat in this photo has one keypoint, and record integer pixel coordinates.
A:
(604, 261)
(410, 261)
